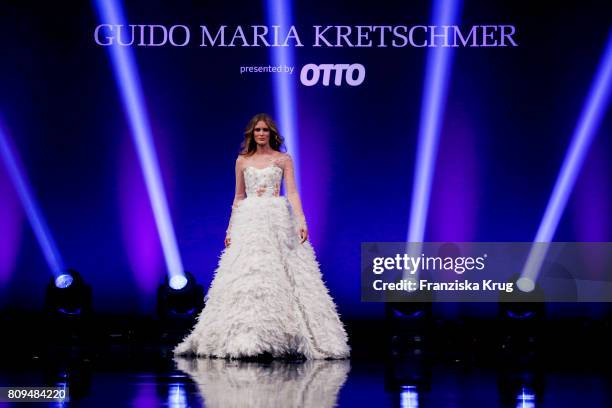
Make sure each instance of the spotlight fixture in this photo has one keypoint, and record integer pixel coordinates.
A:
(68, 308)
(521, 319)
(180, 299)
(68, 296)
(519, 305)
(409, 317)
(178, 282)
(64, 280)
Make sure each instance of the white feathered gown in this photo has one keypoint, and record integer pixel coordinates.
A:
(267, 295)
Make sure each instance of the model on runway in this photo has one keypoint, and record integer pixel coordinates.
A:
(267, 296)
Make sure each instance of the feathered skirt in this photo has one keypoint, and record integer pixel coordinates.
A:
(267, 295)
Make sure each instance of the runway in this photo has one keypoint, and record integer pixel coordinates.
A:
(446, 366)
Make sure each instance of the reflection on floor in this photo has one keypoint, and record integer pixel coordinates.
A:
(224, 383)
(461, 366)
(220, 383)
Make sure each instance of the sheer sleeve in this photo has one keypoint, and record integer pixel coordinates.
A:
(291, 190)
(239, 193)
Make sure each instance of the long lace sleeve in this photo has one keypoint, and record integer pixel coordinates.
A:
(240, 192)
(291, 190)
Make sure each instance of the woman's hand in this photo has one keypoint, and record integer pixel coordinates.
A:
(227, 241)
(303, 233)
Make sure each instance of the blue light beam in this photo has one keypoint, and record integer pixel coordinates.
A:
(588, 123)
(128, 81)
(35, 217)
(435, 89)
(279, 14)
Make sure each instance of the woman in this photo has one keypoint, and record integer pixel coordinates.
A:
(267, 296)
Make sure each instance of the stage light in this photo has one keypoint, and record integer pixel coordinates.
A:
(64, 280)
(279, 14)
(128, 82)
(178, 309)
(178, 282)
(180, 301)
(520, 306)
(588, 123)
(521, 317)
(525, 284)
(417, 310)
(435, 88)
(522, 311)
(22, 187)
(68, 300)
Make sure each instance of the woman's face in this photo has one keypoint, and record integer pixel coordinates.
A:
(261, 133)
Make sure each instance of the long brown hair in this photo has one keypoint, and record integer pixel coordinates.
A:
(249, 146)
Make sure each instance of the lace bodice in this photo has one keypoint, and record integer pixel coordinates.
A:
(253, 181)
(264, 182)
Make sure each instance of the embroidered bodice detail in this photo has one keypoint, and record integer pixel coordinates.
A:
(264, 182)
(261, 178)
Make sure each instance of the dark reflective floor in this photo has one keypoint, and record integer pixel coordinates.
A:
(434, 369)
(220, 383)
